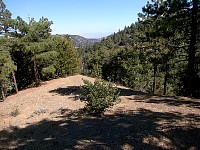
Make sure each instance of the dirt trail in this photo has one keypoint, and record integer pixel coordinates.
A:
(149, 118)
(45, 98)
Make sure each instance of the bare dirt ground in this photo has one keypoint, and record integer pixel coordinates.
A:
(51, 117)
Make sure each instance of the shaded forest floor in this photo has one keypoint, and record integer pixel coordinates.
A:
(51, 117)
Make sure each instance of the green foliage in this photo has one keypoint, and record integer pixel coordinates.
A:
(173, 35)
(6, 62)
(68, 61)
(99, 96)
(159, 53)
(41, 56)
(5, 19)
(128, 68)
(49, 72)
(6, 65)
(30, 40)
(96, 60)
(15, 112)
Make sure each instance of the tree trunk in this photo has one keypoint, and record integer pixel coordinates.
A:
(36, 73)
(2, 92)
(165, 80)
(154, 78)
(192, 50)
(15, 83)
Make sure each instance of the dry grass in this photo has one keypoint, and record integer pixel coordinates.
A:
(51, 117)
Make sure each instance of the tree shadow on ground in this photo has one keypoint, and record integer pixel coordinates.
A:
(129, 92)
(69, 90)
(139, 96)
(76, 90)
(173, 101)
(142, 129)
(176, 102)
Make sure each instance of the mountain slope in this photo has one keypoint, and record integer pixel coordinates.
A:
(80, 41)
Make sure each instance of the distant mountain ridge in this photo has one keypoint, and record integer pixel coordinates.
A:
(80, 41)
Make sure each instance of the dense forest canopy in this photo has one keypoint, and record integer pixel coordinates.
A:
(158, 54)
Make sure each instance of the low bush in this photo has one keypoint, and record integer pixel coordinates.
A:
(15, 112)
(99, 96)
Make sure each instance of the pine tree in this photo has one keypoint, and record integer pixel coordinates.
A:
(68, 61)
(5, 18)
(6, 65)
(32, 37)
(176, 22)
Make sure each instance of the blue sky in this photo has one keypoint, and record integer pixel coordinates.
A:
(89, 18)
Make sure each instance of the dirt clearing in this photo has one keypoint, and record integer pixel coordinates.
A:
(51, 117)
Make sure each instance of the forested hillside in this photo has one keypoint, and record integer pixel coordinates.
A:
(159, 53)
(80, 41)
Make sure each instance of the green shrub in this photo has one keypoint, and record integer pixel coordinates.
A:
(99, 96)
(15, 112)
